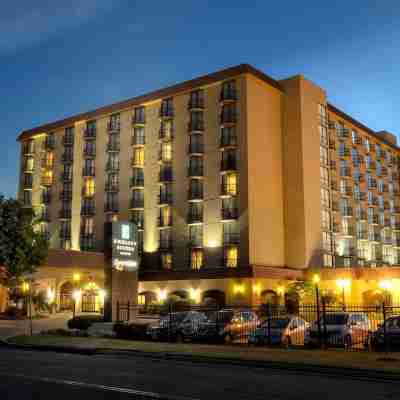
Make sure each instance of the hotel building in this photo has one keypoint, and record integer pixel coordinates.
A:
(238, 184)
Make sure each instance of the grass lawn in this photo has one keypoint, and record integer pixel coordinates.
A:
(336, 358)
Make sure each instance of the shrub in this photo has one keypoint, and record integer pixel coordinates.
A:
(132, 331)
(14, 312)
(83, 322)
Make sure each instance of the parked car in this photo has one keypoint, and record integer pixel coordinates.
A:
(285, 330)
(342, 329)
(229, 326)
(376, 340)
(178, 326)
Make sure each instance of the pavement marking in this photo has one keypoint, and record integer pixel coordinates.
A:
(147, 395)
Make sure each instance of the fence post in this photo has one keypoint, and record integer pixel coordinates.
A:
(129, 312)
(324, 322)
(118, 312)
(385, 341)
(318, 316)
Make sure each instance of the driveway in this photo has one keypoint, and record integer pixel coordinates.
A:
(22, 327)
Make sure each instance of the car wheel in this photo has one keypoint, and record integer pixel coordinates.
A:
(347, 342)
(228, 339)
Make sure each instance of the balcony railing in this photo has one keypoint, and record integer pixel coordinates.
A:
(28, 149)
(89, 152)
(165, 198)
(137, 181)
(374, 237)
(195, 195)
(46, 181)
(166, 175)
(165, 245)
(68, 140)
(193, 218)
(46, 198)
(164, 222)
(228, 141)
(166, 112)
(67, 158)
(195, 171)
(66, 177)
(65, 234)
(88, 171)
(195, 148)
(113, 146)
(361, 215)
(345, 191)
(362, 235)
(138, 140)
(48, 144)
(347, 212)
(112, 186)
(228, 118)
(113, 126)
(196, 103)
(136, 203)
(111, 207)
(373, 219)
(231, 239)
(228, 95)
(228, 164)
(112, 167)
(89, 133)
(88, 210)
(196, 126)
(229, 213)
(138, 119)
(228, 189)
(66, 195)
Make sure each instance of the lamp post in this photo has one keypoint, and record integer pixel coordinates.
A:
(26, 289)
(316, 280)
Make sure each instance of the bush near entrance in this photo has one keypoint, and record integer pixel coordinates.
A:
(131, 331)
(84, 322)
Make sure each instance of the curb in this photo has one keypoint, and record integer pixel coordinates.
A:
(298, 368)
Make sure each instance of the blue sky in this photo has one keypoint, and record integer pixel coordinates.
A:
(58, 58)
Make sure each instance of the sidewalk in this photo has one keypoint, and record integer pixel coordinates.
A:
(348, 363)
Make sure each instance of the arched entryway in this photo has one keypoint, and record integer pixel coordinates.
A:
(269, 297)
(214, 298)
(66, 301)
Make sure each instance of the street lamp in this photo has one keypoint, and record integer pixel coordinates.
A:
(26, 290)
(76, 293)
(343, 284)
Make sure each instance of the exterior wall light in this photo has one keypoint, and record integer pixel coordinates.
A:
(238, 289)
(316, 279)
(161, 295)
(194, 295)
(76, 294)
(76, 277)
(50, 296)
(386, 284)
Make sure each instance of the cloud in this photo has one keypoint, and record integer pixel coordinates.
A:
(24, 23)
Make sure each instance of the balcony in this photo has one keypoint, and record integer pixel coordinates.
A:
(89, 133)
(166, 112)
(166, 175)
(332, 144)
(112, 167)
(138, 140)
(68, 140)
(111, 207)
(194, 218)
(229, 189)
(66, 195)
(138, 119)
(67, 158)
(137, 181)
(87, 211)
(113, 126)
(230, 239)
(195, 171)
(112, 186)
(195, 148)
(164, 222)
(46, 198)
(165, 245)
(228, 214)
(228, 95)
(228, 118)
(359, 196)
(28, 181)
(373, 201)
(87, 241)
(195, 195)
(165, 198)
(89, 152)
(65, 213)
(87, 172)
(195, 126)
(113, 146)
(136, 203)
(166, 133)
(373, 219)
(228, 141)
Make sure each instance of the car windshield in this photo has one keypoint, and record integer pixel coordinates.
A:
(278, 323)
(335, 319)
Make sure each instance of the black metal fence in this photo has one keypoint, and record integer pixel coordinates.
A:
(352, 327)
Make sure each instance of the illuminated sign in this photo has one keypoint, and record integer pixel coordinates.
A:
(125, 246)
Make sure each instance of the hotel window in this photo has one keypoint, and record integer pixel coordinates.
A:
(87, 226)
(196, 235)
(378, 150)
(196, 259)
(138, 135)
(327, 260)
(29, 147)
(228, 90)
(89, 148)
(28, 180)
(138, 156)
(167, 107)
(327, 242)
(89, 188)
(195, 166)
(137, 217)
(69, 135)
(389, 157)
(67, 173)
(166, 260)
(196, 144)
(354, 137)
(114, 121)
(27, 197)
(323, 135)
(355, 158)
(166, 151)
(111, 203)
(324, 176)
(196, 120)
(195, 212)
(113, 161)
(196, 99)
(228, 136)
(387, 254)
(28, 163)
(325, 198)
(65, 229)
(166, 193)
(166, 129)
(195, 189)
(325, 220)
(91, 126)
(165, 216)
(323, 155)
(139, 116)
(228, 113)
(65, 244)
(112, 181)
(229, 184)
(382, 218)
(47, 178)
(229, 208)
(89, 166)
(48, 159)
(228, 160)
(231, 257)
(137, 198)
(367, 144)
(230, 232)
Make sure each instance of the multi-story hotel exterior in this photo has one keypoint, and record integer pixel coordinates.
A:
(238, 184)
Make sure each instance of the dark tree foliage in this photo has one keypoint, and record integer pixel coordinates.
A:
(23, 247)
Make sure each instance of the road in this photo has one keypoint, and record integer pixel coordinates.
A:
(44, 375)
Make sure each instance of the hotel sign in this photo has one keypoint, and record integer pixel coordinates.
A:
(125, 256)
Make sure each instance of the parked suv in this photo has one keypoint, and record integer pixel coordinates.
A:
(342, 329)
(177, 326)
(285, 330)
(376, 340)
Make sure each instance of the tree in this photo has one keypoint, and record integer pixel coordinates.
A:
(23, 247)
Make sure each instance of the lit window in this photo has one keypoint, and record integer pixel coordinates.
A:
(166, 260)
(231, 257)
(166, 151)
(230, 184)
(196, 259)
(138, 156)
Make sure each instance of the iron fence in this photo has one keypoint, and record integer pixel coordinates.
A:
(352, 327)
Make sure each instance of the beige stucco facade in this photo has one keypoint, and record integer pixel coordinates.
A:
(277, 214)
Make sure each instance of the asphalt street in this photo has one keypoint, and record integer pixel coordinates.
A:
(47, 375)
